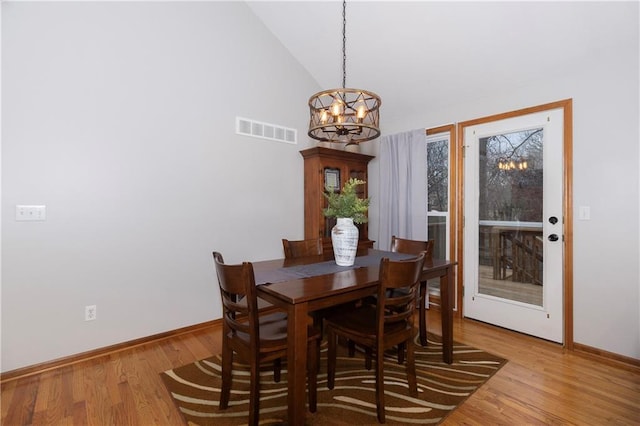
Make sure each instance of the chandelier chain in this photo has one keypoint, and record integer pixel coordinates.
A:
(344, 43)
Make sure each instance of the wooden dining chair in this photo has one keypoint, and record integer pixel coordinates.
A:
(263, 305)
(294, 249)
(388, 323)
(402, 245)
(255, 338)
(302, 248)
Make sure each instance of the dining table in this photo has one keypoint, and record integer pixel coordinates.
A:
(307, 284)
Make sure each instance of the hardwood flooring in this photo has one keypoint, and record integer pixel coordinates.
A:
(541, 384)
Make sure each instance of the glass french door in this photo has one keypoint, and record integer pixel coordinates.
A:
(513, 223)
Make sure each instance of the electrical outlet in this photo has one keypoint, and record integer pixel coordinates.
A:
(90, 313)
(31, 213)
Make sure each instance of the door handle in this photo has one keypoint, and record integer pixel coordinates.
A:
(553, 237)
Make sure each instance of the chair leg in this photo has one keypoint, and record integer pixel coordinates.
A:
(422, 312)
(380, 385)
(367, 354)
(227, 364)
(254, 393)
(313, 360)
(277, 368)
(411, 368)
(318, 322)
(367, 358)
(331, 358)
(352, 348)
(401, 350)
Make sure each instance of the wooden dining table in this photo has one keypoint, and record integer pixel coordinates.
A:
(304, 285)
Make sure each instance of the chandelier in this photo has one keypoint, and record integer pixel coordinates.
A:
(344, 115)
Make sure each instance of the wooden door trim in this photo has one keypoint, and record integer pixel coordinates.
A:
(453, 205)
(567, 204)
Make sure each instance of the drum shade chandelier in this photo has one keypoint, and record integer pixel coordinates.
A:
(344, 115)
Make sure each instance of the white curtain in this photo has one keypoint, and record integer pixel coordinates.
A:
(403, 187)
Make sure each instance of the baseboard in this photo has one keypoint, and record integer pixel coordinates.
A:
(84, 356)
(610, 358)
(578, 348)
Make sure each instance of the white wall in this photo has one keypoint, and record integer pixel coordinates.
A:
(605, 93)
(119, 117)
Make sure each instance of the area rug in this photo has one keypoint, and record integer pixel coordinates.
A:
(195, 389)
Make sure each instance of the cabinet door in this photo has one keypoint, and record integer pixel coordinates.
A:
(359, 171)
(328, 166)
(335, 175)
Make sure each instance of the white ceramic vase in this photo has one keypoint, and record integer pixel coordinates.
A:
(344, 237)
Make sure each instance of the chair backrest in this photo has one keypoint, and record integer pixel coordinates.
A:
(398, 307)
(302, 248)
(239, 298)
(402, 245)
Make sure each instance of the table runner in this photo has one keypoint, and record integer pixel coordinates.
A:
(324, 268)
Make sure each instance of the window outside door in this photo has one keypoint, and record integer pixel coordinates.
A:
(438, 200)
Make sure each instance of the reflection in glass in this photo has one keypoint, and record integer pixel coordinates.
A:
(510, 216)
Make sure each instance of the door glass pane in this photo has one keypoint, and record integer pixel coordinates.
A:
(510, 216)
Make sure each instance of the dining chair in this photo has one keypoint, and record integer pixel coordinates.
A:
(302, 248)
(294, 249)
(254, 337)
(388, 323)
(403, 245)
(263, 305)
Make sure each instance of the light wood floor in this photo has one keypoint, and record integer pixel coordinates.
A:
(541, 384)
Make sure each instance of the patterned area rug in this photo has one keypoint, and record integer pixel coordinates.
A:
(195, 389)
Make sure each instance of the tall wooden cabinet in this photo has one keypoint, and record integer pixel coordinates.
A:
(322, 167)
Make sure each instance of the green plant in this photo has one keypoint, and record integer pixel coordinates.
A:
(347, 203)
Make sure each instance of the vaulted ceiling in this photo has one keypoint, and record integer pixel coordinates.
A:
(418, 52)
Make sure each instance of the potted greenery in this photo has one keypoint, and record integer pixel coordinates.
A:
(348, 209)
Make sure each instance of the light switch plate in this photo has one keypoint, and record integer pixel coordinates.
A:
(584, 213)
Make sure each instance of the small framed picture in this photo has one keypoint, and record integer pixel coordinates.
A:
(332, 179)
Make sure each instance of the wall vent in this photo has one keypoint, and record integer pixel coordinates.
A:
(273, 132)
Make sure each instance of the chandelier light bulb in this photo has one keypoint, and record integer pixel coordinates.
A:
(336, 108)
(324, 116)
